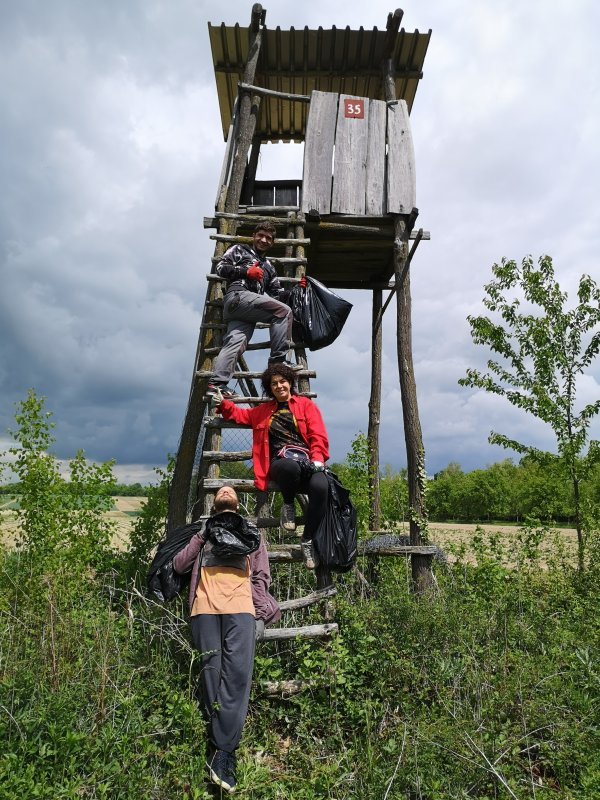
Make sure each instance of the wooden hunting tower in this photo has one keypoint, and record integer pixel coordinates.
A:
(346, 94)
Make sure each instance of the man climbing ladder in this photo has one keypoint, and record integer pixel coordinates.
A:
(254, 294)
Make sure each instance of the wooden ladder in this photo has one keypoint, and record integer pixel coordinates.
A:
(202, 452)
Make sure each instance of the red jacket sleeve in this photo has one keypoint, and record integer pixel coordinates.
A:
(317, 440)
(229, 410)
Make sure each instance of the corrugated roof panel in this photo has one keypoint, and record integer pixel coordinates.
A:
(298, 61)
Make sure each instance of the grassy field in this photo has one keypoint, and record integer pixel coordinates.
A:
(447, 535)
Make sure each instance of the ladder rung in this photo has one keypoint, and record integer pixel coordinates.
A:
(211, 276)
(221, 326)
(212, 351)
(303, 373)
(229, 455)
(257, 400)
(283, 261)
(222, 237)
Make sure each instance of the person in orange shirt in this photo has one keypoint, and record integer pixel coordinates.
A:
(230, 604)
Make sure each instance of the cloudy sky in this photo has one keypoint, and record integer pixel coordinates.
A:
(111, 152)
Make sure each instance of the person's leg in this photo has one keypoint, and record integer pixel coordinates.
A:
(207, 638)
(237, 662)
(255, 308)
(285, 472)
(238, 334)
(317, 489)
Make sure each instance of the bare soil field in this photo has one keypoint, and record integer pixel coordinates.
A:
(444, 534)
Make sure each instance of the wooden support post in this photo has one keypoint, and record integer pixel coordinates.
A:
(374, 415)
(248, 110)
(422, 576)
(251, 172)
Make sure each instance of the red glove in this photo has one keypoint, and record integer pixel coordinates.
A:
(255, 272)
(303, 282)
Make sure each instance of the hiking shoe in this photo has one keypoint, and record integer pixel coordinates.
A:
(308, 554)
(287, 517)
(221, 770)
(214, 389)
(289, 364)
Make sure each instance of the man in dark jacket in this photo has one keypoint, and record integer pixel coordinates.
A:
(229, 605)
(254, 294)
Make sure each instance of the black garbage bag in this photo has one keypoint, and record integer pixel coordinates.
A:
(319, 314)
(335, 540)
(232, 535)
(162, 580)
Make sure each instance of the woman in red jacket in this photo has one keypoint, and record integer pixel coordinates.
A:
(289, 447)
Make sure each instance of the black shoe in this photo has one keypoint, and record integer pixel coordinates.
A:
(221, 770)
(287, 517)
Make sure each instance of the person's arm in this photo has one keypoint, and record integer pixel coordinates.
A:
(317, 439)
(265, 606)
(272, 284)
(184, 559)
(234, 264)
(229, 410)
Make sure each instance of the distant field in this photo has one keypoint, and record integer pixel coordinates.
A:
(123, 514)
(445, 534)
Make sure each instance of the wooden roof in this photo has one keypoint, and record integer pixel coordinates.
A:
(294, 61)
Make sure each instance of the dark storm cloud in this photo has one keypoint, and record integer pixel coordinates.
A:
(112, 148)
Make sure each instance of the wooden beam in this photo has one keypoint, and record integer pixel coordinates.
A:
(375, 412)
(298, 98)
(248, 240)
(305, 632)
(308, 600)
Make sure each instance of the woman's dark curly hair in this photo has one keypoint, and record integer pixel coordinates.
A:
(277, 369)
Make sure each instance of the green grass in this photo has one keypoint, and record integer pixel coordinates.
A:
(488, 689)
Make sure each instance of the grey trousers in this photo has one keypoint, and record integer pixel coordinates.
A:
(241, 311)
(226, 643)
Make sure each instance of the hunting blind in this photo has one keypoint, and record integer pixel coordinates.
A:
(347, 221)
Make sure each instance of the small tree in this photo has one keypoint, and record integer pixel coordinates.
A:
(542, 352)
(57, 516)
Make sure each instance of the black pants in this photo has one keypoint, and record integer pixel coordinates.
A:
(226, 643)
(288, 475)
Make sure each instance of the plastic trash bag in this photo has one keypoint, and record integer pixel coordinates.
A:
(232, 535)
(319, 313)
(335, 539)
(162, 580)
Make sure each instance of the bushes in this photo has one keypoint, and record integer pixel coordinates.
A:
(487, 689)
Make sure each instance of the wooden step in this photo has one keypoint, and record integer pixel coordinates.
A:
(266, 345)
(283, 261)
(256, 401)
(305, 632)
(222, 237)
(213, 278)
(301, 373)
(287, 553)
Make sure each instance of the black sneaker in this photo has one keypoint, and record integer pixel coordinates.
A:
(287, 517)
(221, 770)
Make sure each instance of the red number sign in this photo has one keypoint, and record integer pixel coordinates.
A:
(354, 108)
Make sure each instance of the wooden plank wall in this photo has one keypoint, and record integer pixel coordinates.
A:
(375, 204)
(401, 179)
(350, 163)
(366, 180)
(318, 152)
